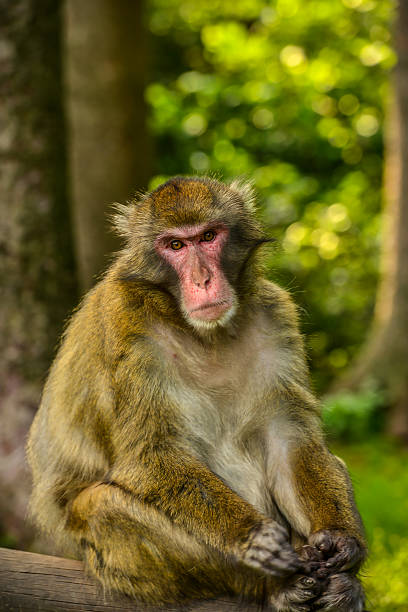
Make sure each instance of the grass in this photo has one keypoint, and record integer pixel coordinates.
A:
(379, 470)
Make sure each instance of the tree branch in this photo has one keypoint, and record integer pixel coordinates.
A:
(39, 583)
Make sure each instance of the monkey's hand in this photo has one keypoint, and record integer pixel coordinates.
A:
(339, 551)
(267, 549)
(339, 592)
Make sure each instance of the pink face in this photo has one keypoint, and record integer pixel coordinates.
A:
(195, 254)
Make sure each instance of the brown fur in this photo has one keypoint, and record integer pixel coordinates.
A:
(168, 458)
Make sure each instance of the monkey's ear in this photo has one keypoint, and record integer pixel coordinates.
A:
(121, 219)
(246, 191)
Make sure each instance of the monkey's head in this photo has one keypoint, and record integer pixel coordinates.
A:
(195, 237)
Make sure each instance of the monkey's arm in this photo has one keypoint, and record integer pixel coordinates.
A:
(135, 548)
(312, 487)
(195, 500)
(313, 490)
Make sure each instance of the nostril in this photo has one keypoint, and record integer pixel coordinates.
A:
(202, 283)
(201, 277)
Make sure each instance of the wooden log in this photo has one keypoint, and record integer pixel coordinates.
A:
(39, 583)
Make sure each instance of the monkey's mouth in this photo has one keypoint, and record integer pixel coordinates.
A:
(210, 311)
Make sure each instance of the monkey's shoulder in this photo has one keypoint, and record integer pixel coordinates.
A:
(120, 311)
(277, 304)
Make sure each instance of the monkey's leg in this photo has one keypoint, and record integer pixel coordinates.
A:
(134, 548)
(182, 488)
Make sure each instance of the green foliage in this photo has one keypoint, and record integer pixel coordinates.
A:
(379, 470)
(7, 540)
(291, 94)
(385, 573)
(349, 416)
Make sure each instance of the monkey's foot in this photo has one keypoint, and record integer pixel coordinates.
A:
(268, 550)
(343, 593)
(298, 595)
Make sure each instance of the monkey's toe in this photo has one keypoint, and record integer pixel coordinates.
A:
(344, 593)
(298, 595)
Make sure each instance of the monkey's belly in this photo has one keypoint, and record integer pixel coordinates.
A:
(239, 461)
(243, 473)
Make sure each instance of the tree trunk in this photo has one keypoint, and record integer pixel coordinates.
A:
(110, 159)
(385, 356)
(38, 285)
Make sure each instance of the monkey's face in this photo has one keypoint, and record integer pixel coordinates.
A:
(196, 238)
(195, 252)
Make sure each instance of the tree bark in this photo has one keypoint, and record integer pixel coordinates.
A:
(110, 158)
(30, 582)
(38, 285)
(384, 358)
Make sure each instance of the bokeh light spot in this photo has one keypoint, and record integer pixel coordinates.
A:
(367, 125)
(349, 104)
(262, 118)
(194, 124)
(235, 128)
(328, 245)
(224, 150)
(338, 358)
(199, 161)
(292, 56)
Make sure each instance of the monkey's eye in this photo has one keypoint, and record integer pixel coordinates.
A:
(208, 236)
(176, 245)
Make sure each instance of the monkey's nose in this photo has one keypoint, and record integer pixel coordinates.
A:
(203, 282)
(201, 277)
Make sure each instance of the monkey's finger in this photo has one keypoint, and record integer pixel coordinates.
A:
(337, 561)
(283, 565)
(280, 563)
(325, 543)
(349, 553)
(265, 556)
(340, 550)
(342, 561)
(275, 567)
(310, 553)
(322, 573)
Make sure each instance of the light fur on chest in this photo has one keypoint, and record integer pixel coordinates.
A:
(224, 394)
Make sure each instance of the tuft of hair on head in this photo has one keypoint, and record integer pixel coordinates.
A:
(123, 216)
(245, 190)
(120, 219)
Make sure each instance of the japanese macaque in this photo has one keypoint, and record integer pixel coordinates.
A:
(178, 448)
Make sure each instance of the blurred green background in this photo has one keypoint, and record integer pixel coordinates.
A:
(105, 97)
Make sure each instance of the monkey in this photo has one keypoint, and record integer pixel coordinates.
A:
(178, 449)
